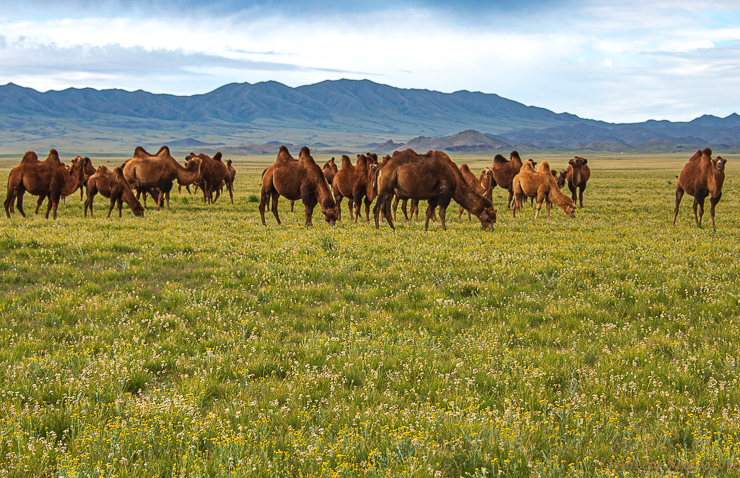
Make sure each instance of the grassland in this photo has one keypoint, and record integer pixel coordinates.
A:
(196, 342)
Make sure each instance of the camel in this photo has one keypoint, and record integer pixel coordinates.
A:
(213, 172)
(577, 174)
(144, 170)
(541, 185)
(330, 170)
(187, 186)
(89, 171)
(48, 178)
(702, 176)
(433, 177)
(482, 185)
(343, 184)
(504, 171)
(364, 186)
(302, 179)
(112, 185)
(230, 182)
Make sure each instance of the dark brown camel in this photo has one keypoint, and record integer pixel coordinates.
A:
(89, 171)
(161, 170)
(504, 171)
(577, 175)
(702, 176)
(540, 185)
(482, 185)
(432, 177)
(230, 183)
(213, 172)
(112, 185)
(48, 178)
(364, 186)
(295, 180)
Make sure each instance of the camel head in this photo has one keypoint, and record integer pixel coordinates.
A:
(578, 162)
(561, 179)
(330, 210)
(567, 205)
(719, 164)
(488, 217)
(534, 163)
(487, 177)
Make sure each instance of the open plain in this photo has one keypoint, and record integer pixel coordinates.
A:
(195, 341)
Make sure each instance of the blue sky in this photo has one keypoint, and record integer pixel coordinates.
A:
(615, 61)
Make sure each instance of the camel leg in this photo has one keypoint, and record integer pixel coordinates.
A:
(8, 204)
(511, 195)
(111, 205)
(82, 187)
(573, 192)
(275, 196)
(404, 208)
(351, 207)
(442, 214)
(387, 212)
(39, 202)
(696, 218)
(264, 201)
(120, 207)
(460, 213)
(19, 202)
(230, 188)
(679, 195)
(415, 209)
(700, 201)
(713, 202)
(429, 212)
(291, 205)
(338, 198)
(376, 210)
(548, 204)
(395, 206)
(580, 194)
(167, 198)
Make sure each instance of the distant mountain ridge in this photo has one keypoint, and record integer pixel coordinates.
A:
(330, 113)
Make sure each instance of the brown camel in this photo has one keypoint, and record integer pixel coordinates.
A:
(577, 175)
(194, 183)
(330, 170)
(230, 183)
(48, 178)
(702, 176)
(540, 185)
(482, 185)
(433, 177)
(343, 185)
(89, 171)
(364, 186)
(213, 173)
(112, 185)
(302, 179)
(144, 170)
(504, 171)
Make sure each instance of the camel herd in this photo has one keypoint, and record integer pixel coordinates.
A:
(404, 176)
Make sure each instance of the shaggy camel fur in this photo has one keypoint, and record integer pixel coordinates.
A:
(433, 177)
(541, 185)
(89, 170)
(702, 176)
(504, 171)
(577, 175)
(482, 185)
(295, 180)
(112, 185)
(48, 178)
(144, 170)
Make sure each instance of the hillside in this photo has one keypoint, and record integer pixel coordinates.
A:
(336, 114)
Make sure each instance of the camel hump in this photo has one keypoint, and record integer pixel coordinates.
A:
(102, 169)
(346, 162)
(464, 168)
(30, 156)
(283, 149)
(527, 167)
(140, 152)
(163, 149)
(305, 151)
(543, 168)
(708, 152)
(218, 156)
(515, 154)
(499, 158)
(118, 174)
(54, 155)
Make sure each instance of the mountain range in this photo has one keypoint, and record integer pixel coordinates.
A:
(333, 114)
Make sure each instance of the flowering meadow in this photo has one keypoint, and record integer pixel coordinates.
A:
(197, 342)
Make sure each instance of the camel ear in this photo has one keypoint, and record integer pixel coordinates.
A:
(571, 162)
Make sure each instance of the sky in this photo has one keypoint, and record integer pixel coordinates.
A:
(621, 61)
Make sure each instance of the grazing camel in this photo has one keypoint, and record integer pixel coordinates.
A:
(144, 170)
(302, 179)
(577, 175)
(541, 185)
(482, 185)
(504, 171)
(112, 185)
(702, 176)
(433, 177)
(48, 178)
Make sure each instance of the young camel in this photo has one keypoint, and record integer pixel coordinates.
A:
(702, 176)
(431, 176)
(577, 175)
(112, 185)
(482, 185)
(540, 185)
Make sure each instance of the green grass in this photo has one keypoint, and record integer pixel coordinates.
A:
(197, 342)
